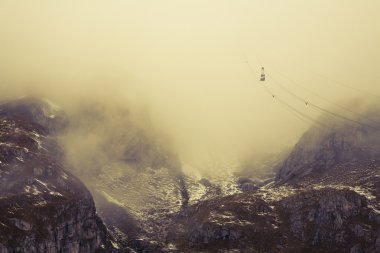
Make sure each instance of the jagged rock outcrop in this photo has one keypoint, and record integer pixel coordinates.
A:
(323, 147)
(43, 207)
(338, 220)
(238, 223)
(324, 219)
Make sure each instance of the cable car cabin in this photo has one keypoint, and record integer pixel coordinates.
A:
(262, 76)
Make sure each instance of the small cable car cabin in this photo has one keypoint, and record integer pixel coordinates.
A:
(262, 76)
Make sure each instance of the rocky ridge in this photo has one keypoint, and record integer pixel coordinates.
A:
(44, 208)
(320, 149)
(328, 216)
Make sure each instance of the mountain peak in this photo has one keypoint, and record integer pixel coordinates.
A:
(36, 111)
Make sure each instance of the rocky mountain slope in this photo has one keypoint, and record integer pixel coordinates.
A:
(43, 207)
(133, 175)
(332, 207)
(334, 211)
(139, 206)
(321, 148)
(326, 197)
(324, 215)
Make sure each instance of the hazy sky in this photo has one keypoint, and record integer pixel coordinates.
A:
(185, 61)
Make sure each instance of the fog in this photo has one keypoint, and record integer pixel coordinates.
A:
(182, 64)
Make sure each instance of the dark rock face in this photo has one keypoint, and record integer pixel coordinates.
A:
(238, 223)
(333, 220)
(303, 220)
(246, 184)
(43, 207)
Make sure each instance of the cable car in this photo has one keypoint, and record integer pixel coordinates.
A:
(262, 76)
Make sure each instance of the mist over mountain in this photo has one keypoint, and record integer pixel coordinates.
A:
(100, 134)
(146, 203)
(189, 126)
(185, 63)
